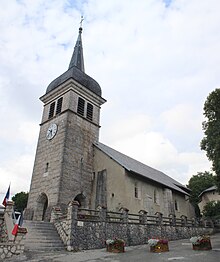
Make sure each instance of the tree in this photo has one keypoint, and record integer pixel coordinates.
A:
(20, 200)
(212, 209)
(211, 141)
(197, 184)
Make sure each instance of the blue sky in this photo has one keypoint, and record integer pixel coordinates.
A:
(167, 2)
(155, 60)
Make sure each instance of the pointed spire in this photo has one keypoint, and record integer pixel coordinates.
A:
(77, 57)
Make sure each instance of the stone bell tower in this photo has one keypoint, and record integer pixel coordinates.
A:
(63, 167)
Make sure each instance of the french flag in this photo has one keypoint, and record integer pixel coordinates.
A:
(4, 203)
(15, 229)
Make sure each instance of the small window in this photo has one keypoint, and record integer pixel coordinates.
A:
(81, 106)
(135, 191)
(89, 112)
(51, 111)
(156, 197)
(59, 105)
(176, 205)
(47, 167)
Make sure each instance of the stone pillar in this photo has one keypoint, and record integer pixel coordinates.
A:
(124, 216)
(55, 214)
(159, 218)
(8, 219)
(184, 220)
(143, 217)
(172, 219)
(72, 220)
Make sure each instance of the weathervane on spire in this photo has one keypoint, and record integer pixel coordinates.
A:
(81, 21)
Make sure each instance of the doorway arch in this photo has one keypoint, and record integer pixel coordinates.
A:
(41, 208)
(81, 199)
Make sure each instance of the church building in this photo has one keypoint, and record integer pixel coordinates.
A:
(71, 163)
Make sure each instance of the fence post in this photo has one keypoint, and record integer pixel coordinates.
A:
(193, 222)
(124, 216)
(143, 217)
(172, 219)
(159, 218)
(72, 212)
(184, 220)
(102, 214)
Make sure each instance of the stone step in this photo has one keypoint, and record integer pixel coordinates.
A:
(45, 244)
(35, 226)
(42, 236)
(45, 240)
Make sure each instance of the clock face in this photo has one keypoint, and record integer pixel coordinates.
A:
(51, 132)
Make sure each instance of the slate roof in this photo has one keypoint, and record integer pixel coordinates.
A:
(212, 188)
(141, 169)
(78, 76)
(76, 71)
(77, 57)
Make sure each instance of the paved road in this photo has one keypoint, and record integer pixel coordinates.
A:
(180, 250)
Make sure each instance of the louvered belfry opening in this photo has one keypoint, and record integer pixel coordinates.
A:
(51, 111)
(81, 106)
(89, 112)
(59, 105)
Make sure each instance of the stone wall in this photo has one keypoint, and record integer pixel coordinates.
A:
(81, 230)
(9, 249)
(91, 235)
(10, 245)
(3, 230)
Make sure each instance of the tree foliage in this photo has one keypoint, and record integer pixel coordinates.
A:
(212, 209)
(199, 183)
(20, 200)
(211, 141)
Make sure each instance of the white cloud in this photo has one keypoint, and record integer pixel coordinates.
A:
(158, 152)
(17, 171)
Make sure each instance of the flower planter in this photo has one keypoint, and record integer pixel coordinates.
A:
(201, 243)
(115, 246)
(206, 245)
(160, 247)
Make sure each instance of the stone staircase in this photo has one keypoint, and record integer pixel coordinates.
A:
(42, 236)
